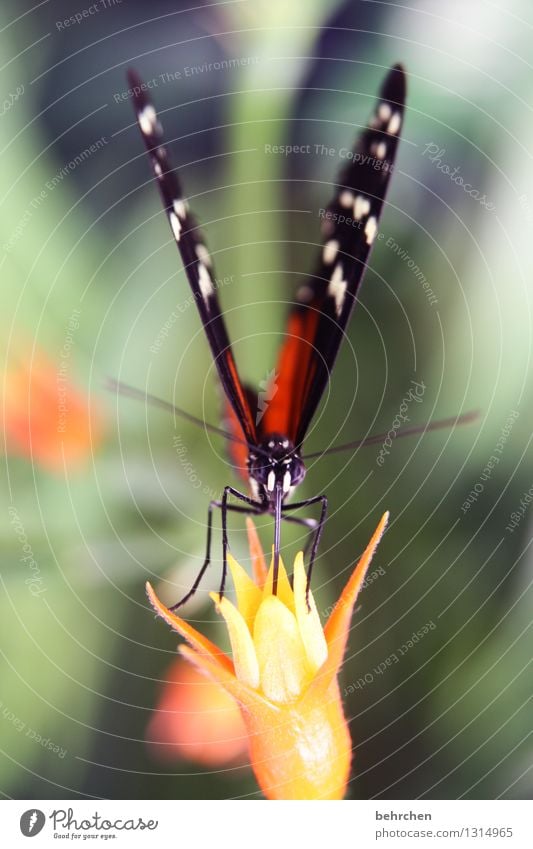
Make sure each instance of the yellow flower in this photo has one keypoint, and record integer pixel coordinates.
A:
(283, 674)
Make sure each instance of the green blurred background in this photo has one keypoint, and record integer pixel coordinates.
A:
(84, 660)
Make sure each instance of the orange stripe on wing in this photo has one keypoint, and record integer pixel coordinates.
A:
(237, 451)
(294, 372)
(248, 422)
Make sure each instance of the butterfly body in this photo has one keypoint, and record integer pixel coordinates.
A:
(278, 466)
(266, 438)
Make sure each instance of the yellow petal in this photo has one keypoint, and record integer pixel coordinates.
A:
(242, 646)
(280, 652)
(316, 647)
(248, 594)
(284, 589)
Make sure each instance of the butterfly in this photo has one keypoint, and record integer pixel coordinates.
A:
(266, 430)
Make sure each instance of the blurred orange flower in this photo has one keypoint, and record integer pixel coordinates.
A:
(196, 720)
(283, 674)
(46, 418)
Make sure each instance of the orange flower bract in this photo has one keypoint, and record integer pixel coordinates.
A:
(196, 720)
(46, 418)
(283, 674)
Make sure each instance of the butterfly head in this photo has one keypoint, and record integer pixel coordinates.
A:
(277, 466)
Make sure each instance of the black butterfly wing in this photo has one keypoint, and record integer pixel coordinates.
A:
(194, 254)
(317, 322)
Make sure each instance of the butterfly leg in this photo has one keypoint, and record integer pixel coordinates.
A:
(310, 524)
(253, 507)
(317, 533)
(212, 505)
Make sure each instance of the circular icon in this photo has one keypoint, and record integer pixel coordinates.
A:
(32, 822)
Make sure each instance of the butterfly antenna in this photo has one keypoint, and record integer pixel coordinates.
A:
(440, 424)
(128, 391)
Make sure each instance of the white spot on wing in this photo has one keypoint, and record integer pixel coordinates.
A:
(394, 124)
(147, 119)
(180, 208)
(346, 198)
(370, 230)
(361, 207)
(175, 224)
(203, 254)
(205, 282)
(157, 168)
(254, 487)
(337, 287)
(381, 150)
(384, 111)
(330, 251)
